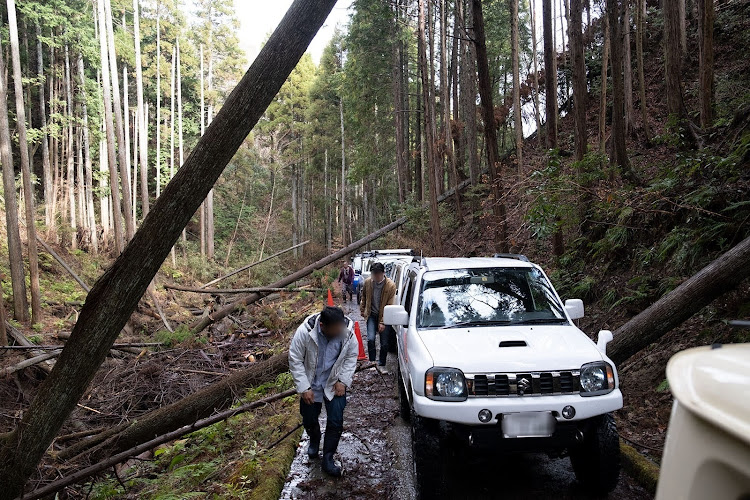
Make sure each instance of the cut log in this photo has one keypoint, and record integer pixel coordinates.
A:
(717, 278)
(244, 268)
(165, 438)
(219, 291)
(115, 295)
(204, 322)
(33, 351)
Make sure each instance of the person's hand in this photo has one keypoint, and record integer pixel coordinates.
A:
(308, 397)
(381, 327)
(339, 389)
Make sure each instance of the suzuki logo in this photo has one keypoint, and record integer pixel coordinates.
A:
(524, 384)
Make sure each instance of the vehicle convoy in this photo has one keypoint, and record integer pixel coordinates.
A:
(490, 359)
(363, 262)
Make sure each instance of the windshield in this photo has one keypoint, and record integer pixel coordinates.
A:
(484, 297)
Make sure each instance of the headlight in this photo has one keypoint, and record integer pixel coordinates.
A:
(445, 384)
(596, 379)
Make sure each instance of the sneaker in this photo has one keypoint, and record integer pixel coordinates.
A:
(382, 370)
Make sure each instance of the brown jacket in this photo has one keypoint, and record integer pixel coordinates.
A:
(389, 294)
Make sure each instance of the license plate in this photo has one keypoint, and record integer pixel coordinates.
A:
(528, 424)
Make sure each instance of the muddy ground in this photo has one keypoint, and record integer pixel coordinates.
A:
(375, 453)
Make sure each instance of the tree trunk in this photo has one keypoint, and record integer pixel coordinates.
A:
(603, 92)
(343, 174)
(158, 101)
(398, 110)
(180, 143)
(28, 188)
(141, 122)
(550, 75)
(429, 119)
(172, 78)
(672, 59)
(70, 160)
(124, 177)
(115, 295)
(578, 63)
(720, 276)
(88, 168)
(706, 61)
(445, 101)
(15, 253)
(620, 154)
(110, 131)
(537, 114)
(418, 143)
(469, 96)
(640, 35)
(210, 236)
(627, 68)
(49, 216)
(682, 24)
(490, 127)
(517, 122)
(202, 209)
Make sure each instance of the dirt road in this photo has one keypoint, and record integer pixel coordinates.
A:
(375, 452)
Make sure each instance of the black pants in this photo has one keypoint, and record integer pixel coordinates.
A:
(334, 422)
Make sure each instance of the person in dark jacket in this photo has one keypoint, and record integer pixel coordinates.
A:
(346, 278)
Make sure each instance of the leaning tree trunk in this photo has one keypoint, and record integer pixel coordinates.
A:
(717, 278)
(115, 295)
(28, 189)
(15, 253)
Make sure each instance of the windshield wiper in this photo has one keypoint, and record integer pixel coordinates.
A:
(477, 323)
(541, 321)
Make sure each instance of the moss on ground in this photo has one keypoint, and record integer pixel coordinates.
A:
(640, 468)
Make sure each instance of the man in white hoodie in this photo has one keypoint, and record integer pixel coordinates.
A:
(322, 360)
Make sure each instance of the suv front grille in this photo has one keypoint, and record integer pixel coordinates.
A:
(523, 384)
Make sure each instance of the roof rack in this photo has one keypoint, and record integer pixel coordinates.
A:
(516, 256)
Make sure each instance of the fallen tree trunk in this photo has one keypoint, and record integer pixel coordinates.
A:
(137, 450)
(33, 351)
(202, 403)
(220, 291)
(63, 264)
(5, 371)
(115, 295)
(717, 278)
(204, 322)
(244, 268)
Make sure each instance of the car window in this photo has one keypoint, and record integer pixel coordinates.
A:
(410, 292)
(487, 296)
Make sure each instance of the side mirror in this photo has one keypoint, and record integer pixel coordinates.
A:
(574, 308)
(605, 337)
(395, 315)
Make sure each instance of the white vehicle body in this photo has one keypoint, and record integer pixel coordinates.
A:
(537, 350)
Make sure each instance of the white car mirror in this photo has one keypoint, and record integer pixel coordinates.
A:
(395, 316)
(605, 337)
(574, 308)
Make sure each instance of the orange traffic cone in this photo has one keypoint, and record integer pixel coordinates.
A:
(330, 298)
(362, 356)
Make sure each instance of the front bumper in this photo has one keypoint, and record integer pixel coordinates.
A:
(466, 412)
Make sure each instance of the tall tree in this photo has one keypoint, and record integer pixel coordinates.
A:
(578, 63)
(158, 100)
(535, 76)
(445, 102)
(49, 216)
(70, 180)
(23, 146)
(141, 120)
(627, 68)
(88, 167)
(603, 91)
(517, 122)
(640, 34)
(490, 126)
(619, 151)
(672, 58)
(15, 253)
(706, 61)
(550, 75)
(429, 137)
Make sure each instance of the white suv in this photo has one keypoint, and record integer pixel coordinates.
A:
(489, 357)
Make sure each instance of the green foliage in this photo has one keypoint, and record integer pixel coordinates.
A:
(181, 335)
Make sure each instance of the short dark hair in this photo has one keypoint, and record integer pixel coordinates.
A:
(332, 316)
(378, 267)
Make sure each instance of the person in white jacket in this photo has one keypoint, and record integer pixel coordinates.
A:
(322, 360)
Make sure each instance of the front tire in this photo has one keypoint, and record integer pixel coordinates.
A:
(596, 461)
(426, 455)
(403, 400)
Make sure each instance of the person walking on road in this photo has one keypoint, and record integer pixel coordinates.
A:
(377, 292)
(322, 360)
(346, 278)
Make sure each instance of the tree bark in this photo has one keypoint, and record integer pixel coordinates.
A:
(15, 253)
(70, 171)
(23, 146)
(117, 292)
(706, 61)
(343, 174)
(398, 110)
(603, 92)
(88, 168)
(534, 52)
(640, 35)
(490, 127)
(627, 68)
(158, 100)
(580, 85)
(720, 276)
(445, 101)
(620, 154)
(517, 122)
(550, 75)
